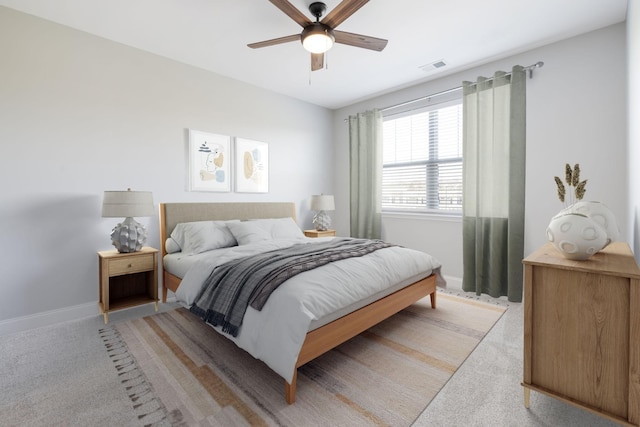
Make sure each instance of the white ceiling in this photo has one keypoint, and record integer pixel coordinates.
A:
(213, 34)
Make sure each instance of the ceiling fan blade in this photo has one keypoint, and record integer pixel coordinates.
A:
(291, 11)
(279, 40)
(358, 40)
(317, 61)
(342, 11)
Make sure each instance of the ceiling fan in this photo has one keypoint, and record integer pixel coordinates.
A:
(318, 37)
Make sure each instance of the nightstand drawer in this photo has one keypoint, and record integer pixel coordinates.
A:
(130, 265)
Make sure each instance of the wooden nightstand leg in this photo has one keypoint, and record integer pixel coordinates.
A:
(527, 397)
(106, 317)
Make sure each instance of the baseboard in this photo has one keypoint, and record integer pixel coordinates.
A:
(51, 317)
(453, 282)
(45, 318)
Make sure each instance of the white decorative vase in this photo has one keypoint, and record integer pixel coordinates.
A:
(576, 236)
(600, 213)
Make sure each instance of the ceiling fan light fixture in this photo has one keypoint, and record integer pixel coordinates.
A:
(317, 38)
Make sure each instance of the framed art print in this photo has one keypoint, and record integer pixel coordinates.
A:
(252, 166)
(209, 161)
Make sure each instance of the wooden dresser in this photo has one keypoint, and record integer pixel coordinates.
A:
(582, 330)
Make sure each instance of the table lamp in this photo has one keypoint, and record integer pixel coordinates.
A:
(129, 235)
(322, 203)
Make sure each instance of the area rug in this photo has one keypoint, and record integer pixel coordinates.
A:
(179, 371)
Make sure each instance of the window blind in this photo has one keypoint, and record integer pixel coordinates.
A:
(422, 161)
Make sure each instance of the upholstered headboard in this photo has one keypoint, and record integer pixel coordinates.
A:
(172, 214)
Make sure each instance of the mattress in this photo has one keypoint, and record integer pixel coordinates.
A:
(307, 301)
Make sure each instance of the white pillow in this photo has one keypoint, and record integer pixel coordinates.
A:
(171, 246)
(258, 230)
(247, 232)
(284, 228)
(200, 236)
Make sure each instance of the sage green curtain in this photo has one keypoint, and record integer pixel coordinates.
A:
(494, 116)
(365, 160)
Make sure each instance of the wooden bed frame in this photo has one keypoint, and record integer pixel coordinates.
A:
(322, 339)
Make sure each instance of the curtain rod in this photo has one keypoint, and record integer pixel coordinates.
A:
(529, 68)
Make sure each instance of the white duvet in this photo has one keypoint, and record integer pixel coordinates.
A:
(276, 333)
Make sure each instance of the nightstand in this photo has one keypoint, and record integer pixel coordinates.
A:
(316, 233)
(127, 279)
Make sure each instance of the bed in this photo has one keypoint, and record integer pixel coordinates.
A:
(316, 332)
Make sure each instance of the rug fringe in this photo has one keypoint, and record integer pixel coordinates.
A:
(141, 394)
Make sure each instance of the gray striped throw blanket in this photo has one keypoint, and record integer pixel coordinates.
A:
(233, 286)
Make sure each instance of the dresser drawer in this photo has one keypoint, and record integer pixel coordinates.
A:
(131, 265)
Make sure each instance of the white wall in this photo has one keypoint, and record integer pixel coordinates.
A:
(633, 114)
(80, 115)
(576, 113)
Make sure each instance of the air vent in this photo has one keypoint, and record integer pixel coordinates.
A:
(433, 66)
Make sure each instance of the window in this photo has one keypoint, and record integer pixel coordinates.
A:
(422, 161)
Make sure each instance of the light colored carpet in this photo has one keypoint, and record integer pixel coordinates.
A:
(61, 375)
(486, 390)
(385, 376)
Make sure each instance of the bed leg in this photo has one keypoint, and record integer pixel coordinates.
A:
(164, 294)
(433, 299)
(290, 389)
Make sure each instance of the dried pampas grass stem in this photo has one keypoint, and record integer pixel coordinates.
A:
(572, 179)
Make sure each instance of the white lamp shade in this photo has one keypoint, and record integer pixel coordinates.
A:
(322, 203)
(119, 204)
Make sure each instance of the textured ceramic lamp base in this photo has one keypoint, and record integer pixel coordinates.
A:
(128, 236)
(322, 221)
